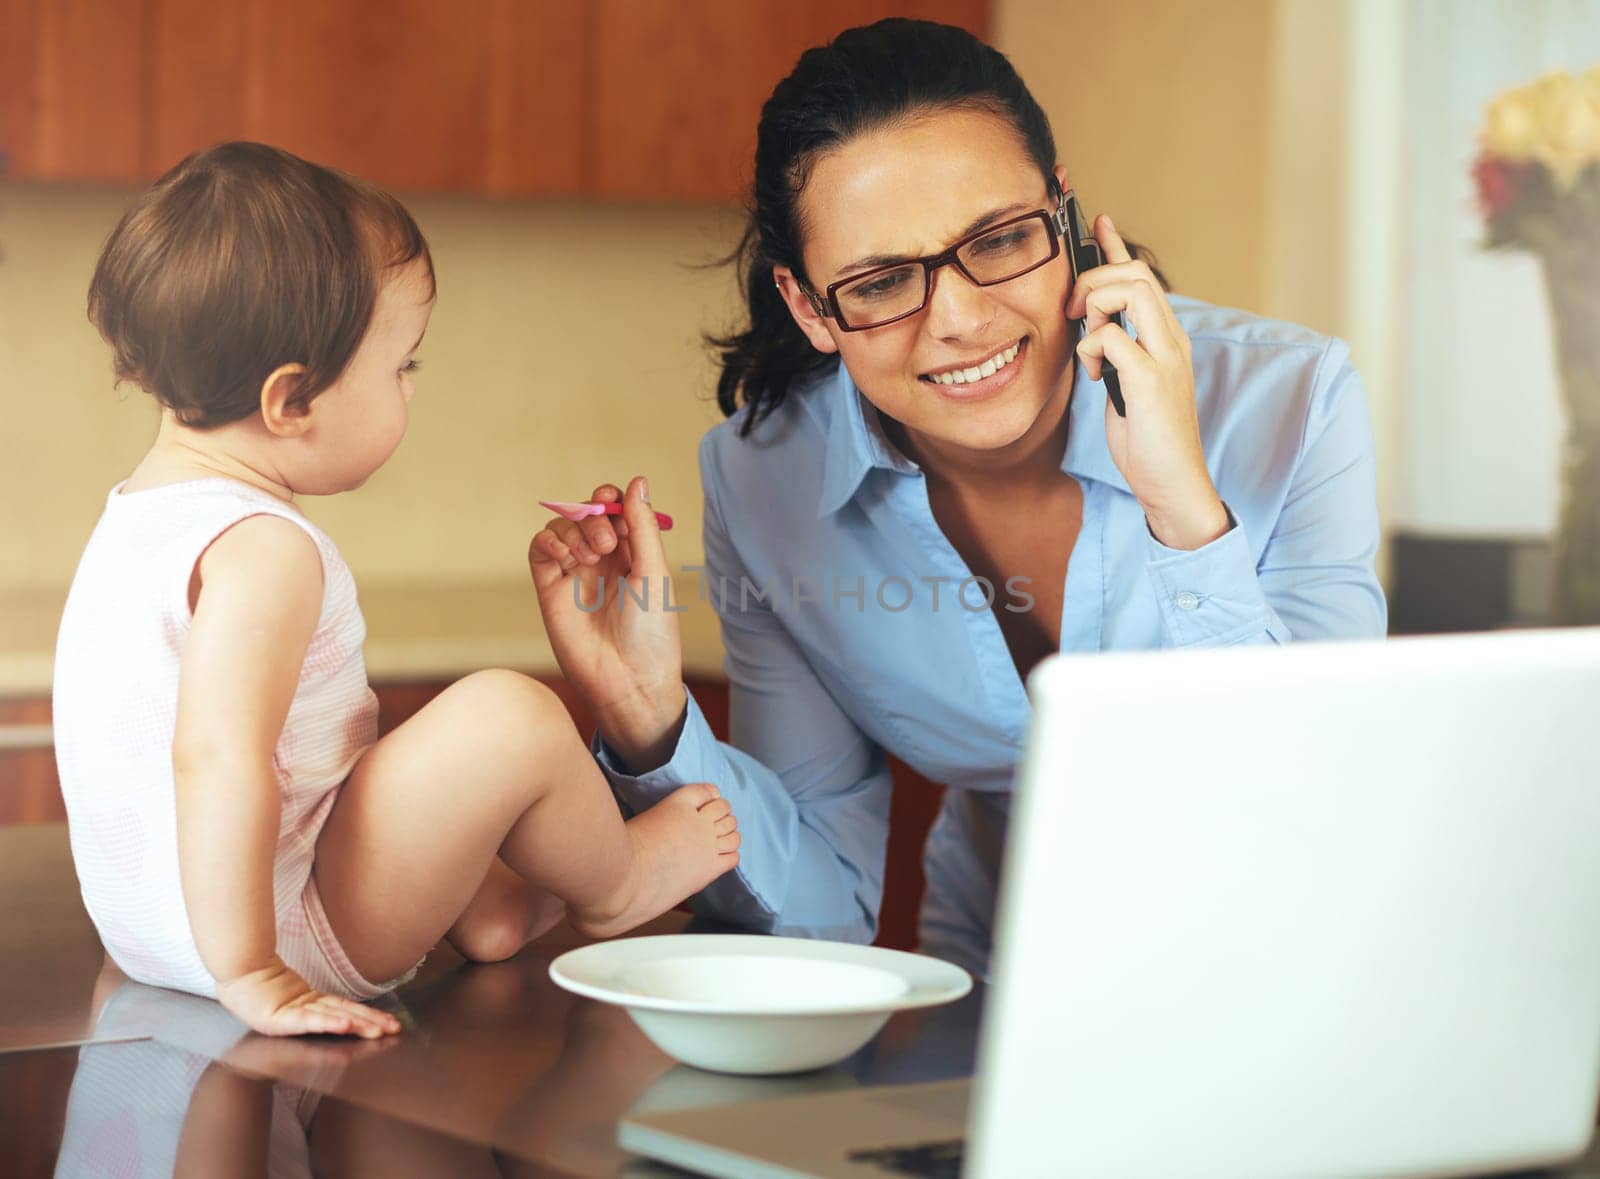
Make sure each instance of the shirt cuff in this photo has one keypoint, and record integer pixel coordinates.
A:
(749, 895)
(690, 762)
(1209, 596)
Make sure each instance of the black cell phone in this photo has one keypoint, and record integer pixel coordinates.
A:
(1083, 252)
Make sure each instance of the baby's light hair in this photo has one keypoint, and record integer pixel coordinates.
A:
(239, 260)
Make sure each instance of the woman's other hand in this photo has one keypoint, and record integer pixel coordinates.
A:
(1157, 446)
(603, 586)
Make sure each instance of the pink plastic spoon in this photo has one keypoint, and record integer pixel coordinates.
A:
(583, 511)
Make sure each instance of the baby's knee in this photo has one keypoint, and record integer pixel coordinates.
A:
(494, 936)
(502, 693)
(517, 706)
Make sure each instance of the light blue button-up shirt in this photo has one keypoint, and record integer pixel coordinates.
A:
(853, 627)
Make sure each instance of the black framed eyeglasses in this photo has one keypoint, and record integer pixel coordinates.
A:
(995, 254)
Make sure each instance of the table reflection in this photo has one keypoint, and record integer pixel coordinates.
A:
(498, 1072)
(152, 1109)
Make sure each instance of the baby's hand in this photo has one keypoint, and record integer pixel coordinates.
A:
(276, 1001)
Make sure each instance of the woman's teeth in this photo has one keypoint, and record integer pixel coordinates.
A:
(962, 376)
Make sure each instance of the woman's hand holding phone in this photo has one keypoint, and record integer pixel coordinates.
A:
(1157, 445)
(624, 653)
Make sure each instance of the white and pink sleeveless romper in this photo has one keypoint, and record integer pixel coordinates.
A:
(115, 705)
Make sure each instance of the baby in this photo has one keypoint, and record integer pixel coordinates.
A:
(238, 829)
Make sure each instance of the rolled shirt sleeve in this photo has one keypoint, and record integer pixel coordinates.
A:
(1315, 578)
(809, 789)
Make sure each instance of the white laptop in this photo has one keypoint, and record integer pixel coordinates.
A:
(1321, 910)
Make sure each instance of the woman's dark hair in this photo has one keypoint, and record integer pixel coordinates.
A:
(241, 259)
(867, 77)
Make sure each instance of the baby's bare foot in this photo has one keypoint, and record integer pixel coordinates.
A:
(680, 845)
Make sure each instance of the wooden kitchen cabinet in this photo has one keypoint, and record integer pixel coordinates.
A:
(413, 94)
(404, 92)
(479, 96)
(629, 99)
(71, 81)
(678, 87)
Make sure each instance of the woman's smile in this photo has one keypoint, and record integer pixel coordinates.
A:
(983, 378)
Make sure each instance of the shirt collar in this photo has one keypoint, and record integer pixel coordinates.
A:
(856, 442)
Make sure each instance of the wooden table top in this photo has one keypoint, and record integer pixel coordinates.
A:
(498, 1071)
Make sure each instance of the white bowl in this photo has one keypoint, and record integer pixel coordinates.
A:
(744, 1003)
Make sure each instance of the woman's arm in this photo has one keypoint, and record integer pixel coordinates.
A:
(810, 791)
(1318, 569)
(256, 595)
(1316, 577)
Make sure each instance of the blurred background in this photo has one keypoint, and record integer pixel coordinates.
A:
(577, 165)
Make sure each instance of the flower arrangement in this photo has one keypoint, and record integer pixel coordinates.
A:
(1538, 165)
(1538, 182)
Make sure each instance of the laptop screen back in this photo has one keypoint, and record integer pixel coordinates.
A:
(1324, 909)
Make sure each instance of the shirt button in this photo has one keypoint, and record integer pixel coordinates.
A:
(1187, 601)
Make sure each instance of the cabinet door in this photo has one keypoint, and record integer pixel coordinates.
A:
(678, 88)
(71, 89)
(539, 70)
(201, 77)
(476, 96)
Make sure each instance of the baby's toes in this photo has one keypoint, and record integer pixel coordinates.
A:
(725, 824)
(698, 794)
(728, 844)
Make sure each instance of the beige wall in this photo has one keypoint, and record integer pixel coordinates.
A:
(1160, 115)
(565, 346)
(563, 351)
(1240, 139)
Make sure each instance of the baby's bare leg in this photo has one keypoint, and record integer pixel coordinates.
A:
(491, 767)
(425, 813)
(504, 915)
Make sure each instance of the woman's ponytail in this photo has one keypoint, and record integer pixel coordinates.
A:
(760, 363)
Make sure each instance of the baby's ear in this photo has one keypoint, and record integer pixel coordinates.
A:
(282, 411)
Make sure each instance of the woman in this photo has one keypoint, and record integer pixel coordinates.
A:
(915, 424)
